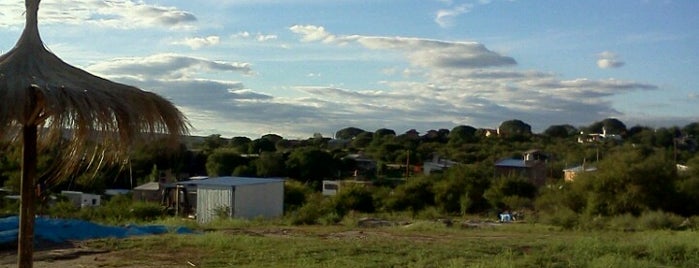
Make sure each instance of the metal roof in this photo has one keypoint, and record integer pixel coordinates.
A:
(511, 163)
(580, 169)
(231, 181)
(149, 186)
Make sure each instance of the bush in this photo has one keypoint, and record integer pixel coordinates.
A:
(515, 202)
(624, 222)
(146, 211)
(563, 217)
(353, 197)
(64, 209)
(295, 194)
(659, 220)
(415, 194)
(429, 213)
(313, 210)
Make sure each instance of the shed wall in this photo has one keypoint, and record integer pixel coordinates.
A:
(211, 199)
(259, 200)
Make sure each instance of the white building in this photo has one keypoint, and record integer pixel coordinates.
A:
(238, 197)
(80, 199)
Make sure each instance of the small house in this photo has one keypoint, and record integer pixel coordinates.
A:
(238, 197)
(569, 174)
(333, 187)
(436, 165)
(532, 167)
(81, 200)
(148, 192)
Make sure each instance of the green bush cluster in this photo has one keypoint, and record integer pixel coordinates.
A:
(118, 209)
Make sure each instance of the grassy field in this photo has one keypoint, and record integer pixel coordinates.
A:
(419, 244)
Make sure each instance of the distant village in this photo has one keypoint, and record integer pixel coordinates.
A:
(250, 178)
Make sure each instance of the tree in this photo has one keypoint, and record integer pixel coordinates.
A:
(461, 189)
(43, 92)
(348, 133)
(274, 138)
(629, 180)
(222, 162)
(560, 131)
(439, 136)
(691, 129)
(270, 165)
(688, 188)
(461, 134)
(362, 140)
(240, 144)
(311, 165)
(213, 142)
(383, 132)
(515, 129)
(611, 125)
(262, 145)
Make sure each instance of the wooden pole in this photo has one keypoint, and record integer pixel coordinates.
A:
(25, 239)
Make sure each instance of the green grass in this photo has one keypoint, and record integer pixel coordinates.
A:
(421, 244)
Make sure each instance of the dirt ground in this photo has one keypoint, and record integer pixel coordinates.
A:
(77, 255)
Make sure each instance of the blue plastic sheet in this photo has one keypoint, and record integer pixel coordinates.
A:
(64, 230)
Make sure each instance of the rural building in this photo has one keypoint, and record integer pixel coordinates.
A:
(598, 137)
(148, 192)
(81, 200)
(569, 174)
(238, 197)
(365, 166)
(332, 187)
(436, 165)
(532, 167)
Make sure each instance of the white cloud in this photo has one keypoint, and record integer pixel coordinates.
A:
(263, 38)
(462, 83)
(241, 35)
(199, 42)
(312, 33)
(444, 16)
(124, 14)
(420, 52)
(607, 60)
(258, 37)
(166, 66)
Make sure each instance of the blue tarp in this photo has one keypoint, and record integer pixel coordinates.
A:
(63, 230)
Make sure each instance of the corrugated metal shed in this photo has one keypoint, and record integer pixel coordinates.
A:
(511, 163)
(239, 197)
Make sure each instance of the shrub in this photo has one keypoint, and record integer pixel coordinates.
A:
(146, 211)
(295, 194)
(515, 202)
(415, 194)
(64, 209)
(313, 210)
(429, 213)
(625, 222)
(659, 220)
(563, 217)
(353, 197)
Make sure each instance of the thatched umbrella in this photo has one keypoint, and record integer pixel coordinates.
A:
(48, 100)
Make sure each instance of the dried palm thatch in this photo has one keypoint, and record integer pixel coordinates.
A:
(45, 98)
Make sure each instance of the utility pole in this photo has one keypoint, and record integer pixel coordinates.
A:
(407, 166)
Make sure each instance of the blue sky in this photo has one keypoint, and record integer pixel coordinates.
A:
(299, 67)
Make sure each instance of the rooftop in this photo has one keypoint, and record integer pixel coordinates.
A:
(230, 181)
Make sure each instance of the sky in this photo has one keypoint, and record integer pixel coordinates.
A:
(300, 67)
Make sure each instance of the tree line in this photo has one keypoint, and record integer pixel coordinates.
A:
(636, 173)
